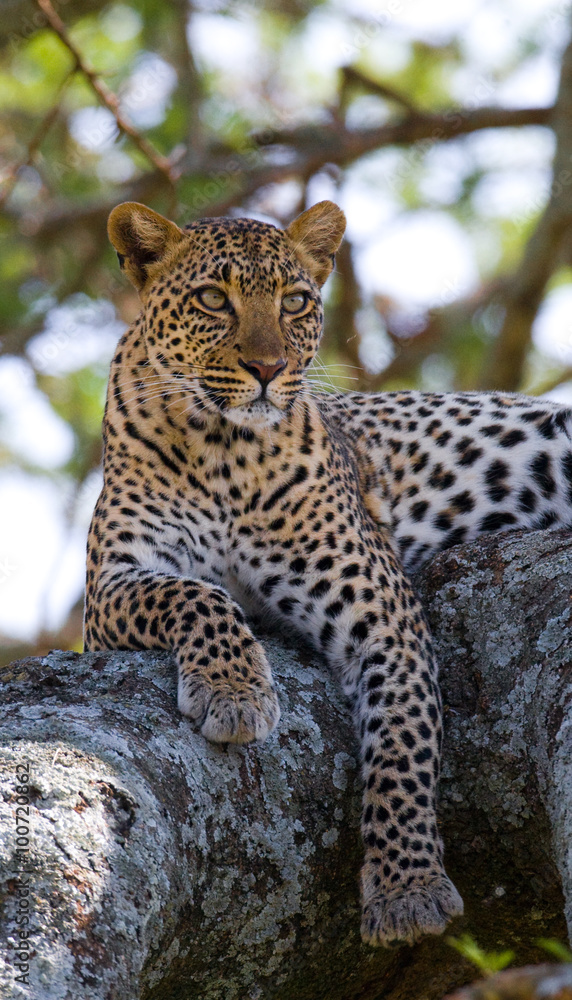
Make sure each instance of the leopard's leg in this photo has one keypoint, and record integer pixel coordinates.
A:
(406, 892)
(373, 631)
(225, 683)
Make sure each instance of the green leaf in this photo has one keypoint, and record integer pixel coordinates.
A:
(488, 962)
(555, 948)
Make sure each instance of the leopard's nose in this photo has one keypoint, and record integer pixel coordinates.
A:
(263, 373)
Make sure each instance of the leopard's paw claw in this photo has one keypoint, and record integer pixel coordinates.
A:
(227, 714)
(405, 915)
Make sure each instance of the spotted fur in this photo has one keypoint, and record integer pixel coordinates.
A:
(230, 485)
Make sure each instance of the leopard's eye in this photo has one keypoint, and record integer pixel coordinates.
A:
(295, 302)
(212, 298)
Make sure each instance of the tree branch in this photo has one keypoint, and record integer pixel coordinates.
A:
(552, 381)
(190, 86)
(138, 799)
(313, 146)
(340, 145)
(341, 336)
(21, 18)
(352, 76)
(106, 96)
(541, 256)
(442, 326)
(35, 142)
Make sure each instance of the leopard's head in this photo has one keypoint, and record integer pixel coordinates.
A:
(233, 311)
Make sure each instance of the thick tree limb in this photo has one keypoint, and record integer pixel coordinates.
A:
(163, 866)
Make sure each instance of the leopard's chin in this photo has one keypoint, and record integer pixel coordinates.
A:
(258, 414)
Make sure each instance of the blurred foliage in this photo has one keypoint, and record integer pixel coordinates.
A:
(559, 951)
(488, 962)
(261, 108)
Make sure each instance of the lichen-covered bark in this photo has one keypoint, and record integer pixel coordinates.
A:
(161, 866)
(501, 612)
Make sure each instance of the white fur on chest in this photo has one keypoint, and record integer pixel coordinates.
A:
(179, 551)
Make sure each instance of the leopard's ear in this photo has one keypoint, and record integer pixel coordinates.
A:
(142, 239)
(316, 235)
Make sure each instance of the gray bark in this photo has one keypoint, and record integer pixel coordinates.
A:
(164, 867)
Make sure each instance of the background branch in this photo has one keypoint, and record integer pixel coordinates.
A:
(344, 144)
(35, 142)
(106, 96)
(352, 77)
(524, 293)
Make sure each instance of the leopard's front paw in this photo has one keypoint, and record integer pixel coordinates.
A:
(232, 703)
(403, 915)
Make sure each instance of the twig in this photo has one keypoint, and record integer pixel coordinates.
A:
(35, 141)
(350, 75)
(548, 384)
(106, 96)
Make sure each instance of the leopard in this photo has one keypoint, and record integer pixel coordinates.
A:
(234, 488)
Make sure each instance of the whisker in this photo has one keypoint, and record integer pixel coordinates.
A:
(318, 363)
(142, 383)
(132, 391)
(143, 379)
